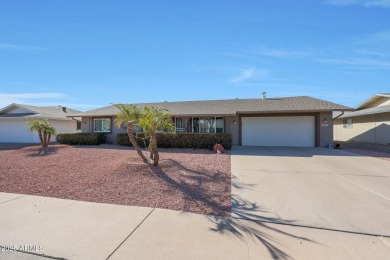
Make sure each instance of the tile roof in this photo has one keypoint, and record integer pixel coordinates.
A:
(51, 112)
(232, 106)
(368, 111)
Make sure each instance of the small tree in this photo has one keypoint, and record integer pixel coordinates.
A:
(44, 129)
(151, 121)
(128, 115)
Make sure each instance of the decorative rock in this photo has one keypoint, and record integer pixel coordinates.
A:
(218, 148)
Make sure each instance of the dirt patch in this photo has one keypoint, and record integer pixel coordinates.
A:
(186, 179)
(374, 150)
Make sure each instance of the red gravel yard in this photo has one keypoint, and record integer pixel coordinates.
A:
(186, 179)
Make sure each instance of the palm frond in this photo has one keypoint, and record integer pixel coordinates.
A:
(128, 113)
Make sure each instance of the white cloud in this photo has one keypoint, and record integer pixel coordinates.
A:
(43, 99)
(7, 46)
(370, 51)
(249, 73)
(365, 3)
(366, 62)
(279, 53)
(269, 52)
(23, 98)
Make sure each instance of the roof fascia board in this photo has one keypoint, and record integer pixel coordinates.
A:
(18, 106)
(371, 99)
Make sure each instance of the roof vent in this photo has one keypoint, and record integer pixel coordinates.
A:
(64, 109)
(264, 95)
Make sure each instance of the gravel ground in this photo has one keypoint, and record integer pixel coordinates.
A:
(186, 179)
(374, 150)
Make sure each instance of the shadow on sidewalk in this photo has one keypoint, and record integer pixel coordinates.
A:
(257, 227)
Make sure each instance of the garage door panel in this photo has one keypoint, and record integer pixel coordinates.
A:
(279, 131)
(15, 131)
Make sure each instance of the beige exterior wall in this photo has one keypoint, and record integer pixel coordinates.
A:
(384, 101)
(64, 126)
(369, 129)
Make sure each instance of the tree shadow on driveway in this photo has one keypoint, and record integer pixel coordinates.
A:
(248, 220)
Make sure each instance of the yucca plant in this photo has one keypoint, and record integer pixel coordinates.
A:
(44, 129)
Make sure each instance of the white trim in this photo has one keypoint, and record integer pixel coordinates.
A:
(371, 99)
(19, 106)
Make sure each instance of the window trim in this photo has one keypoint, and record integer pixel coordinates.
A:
(102, 118)
(347, 123)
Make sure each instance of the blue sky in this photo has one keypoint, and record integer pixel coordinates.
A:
(87, 54)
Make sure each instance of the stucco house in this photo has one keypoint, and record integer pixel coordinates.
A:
(14, 118)
(369, 123)
(290, 121)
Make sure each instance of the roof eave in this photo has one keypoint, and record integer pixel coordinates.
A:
(19, 106)
(371, 99)
(294, 111)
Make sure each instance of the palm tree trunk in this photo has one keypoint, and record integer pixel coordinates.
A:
(134, 142)
(153, 150)
(44, 139)
(41, 137)
(48, 139)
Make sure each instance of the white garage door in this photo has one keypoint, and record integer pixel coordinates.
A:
(16, 131)
(279, 131)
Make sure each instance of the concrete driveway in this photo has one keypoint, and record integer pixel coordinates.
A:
(312, 187)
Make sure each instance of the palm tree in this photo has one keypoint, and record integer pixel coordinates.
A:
(44, 129)
(128, 115)
(151, 121)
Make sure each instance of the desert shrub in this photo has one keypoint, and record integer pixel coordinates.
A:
(81, 138)
(182, 140)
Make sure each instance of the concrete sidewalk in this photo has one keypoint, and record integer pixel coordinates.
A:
(83, 230)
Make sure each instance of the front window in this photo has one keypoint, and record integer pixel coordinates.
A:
(219, 125)
(102, 125)
(183, 124)
(347, 123)
(78, 125)
(208, 125)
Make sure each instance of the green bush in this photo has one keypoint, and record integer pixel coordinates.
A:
(181, 140)
(81, 138)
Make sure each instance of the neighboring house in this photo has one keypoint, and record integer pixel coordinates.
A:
(369, 123)
(14, 119)
(292, 121)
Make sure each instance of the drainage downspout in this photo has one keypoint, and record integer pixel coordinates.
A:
(342, 113)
